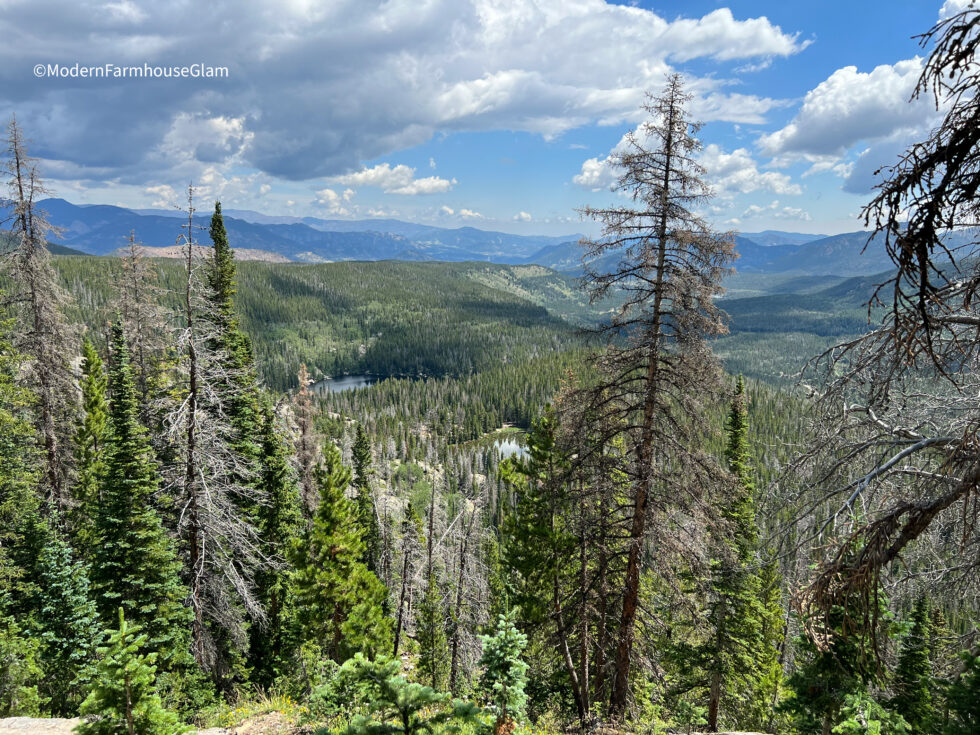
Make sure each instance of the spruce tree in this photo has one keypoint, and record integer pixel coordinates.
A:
(912, 683)
(826, 675)
(239, 393)
(366, 511)
(735, 655)
(90, 448)
(964, 698)
(20, 457)
(279, 523)
(61, 615)
(135, 566)
(505, 673)
(399, 707)
(340, 603)
(430, 633)
(124, 698)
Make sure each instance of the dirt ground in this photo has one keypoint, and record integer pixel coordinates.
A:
(271, 724)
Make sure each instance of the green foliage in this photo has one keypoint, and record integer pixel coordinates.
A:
(396, 706)
(339, 602)
(62, 618)
(430, 633)
(825, 676)
(964, 698)
(366, 512)
(862, 715)
(134, 565)
(91, 437)
(279, 522)
(19, 459)
(124, 698)
(504, 671)
(236, 393)
(912, 682)
(20, 669)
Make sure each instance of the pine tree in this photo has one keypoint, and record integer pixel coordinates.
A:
(60, 615)
(735, 656)
(505, 673)
(366, 511)
(90, 448)
(657, 368)
(20, 458)
(134, 566)
(124, 697)
(279, 523)
(825, 676)
(964, 698)
(237, 385)
(19, 671)
(43, 335)
(430, 632)
(144, 323)
(307, 452)
(912, 683)
(397, 706)
(212, 464)
(340, 603)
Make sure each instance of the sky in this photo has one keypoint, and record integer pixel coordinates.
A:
(498, 114)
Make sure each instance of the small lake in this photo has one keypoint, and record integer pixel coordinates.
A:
(510, 448)
(344, 382)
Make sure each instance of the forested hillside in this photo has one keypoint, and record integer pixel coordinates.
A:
(699, 513)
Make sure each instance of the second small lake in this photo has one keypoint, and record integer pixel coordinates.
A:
(344, 382)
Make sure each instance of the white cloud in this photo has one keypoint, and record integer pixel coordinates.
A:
(727, 173)
(398, 180)
(307, 79)
(849, 107)
(737, 173)
(774, 210)
(952, 7)
(522, 217)
(164, 196)
(470, 214)
(265, 189)
(446, 210)
(331, 202)
(432, 162)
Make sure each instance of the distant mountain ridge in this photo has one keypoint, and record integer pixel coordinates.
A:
(103, 229)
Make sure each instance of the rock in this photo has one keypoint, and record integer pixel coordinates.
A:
(41, 726)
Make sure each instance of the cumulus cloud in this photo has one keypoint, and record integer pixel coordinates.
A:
(162, 196)
(470, 214)
(852, 106)
(774, 210)
(728, 173)
(952, 7)
(522, 217)
(330, 202)
(396, 180)
(314, 89)
(738, 173)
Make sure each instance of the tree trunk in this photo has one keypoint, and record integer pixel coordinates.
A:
(631, 593)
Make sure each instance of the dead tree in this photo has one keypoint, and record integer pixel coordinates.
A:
(307, 443)
(222, 546)
(898, 460)
(44, 336)
(657, 370)
(138, 303)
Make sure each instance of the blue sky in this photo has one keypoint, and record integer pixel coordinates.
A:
(499, 114)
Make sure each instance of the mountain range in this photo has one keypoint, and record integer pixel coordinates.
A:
(103, 229)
